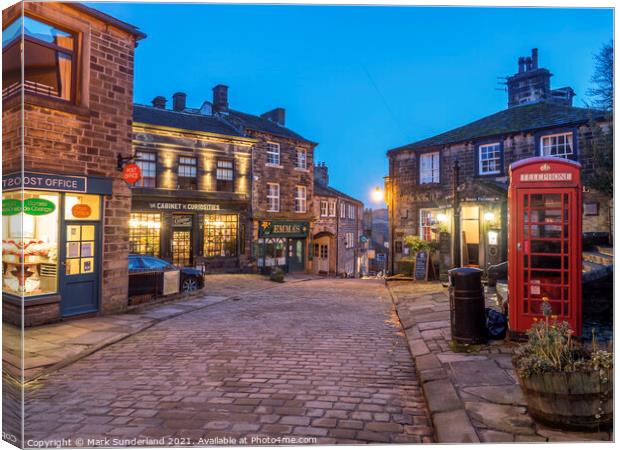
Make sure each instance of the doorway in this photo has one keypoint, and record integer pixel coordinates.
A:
(470, 236)
(79, 280)
(296, 255)
(322, 254)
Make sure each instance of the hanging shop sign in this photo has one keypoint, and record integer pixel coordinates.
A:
(38, 206)
(81, 211)
(283, 229)
(43, 182)
(11, 206)
(132, 173)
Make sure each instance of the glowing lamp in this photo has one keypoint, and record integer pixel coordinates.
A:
(489, 216)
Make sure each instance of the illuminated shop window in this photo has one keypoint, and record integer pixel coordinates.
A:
(271, 252)
(220, 238)
(82, 207)
(432, 222)
(30, 243)
(145, 233)
(49, 60)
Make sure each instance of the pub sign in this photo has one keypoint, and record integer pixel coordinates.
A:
(281, 228)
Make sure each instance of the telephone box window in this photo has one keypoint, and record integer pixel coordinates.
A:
(49, 60)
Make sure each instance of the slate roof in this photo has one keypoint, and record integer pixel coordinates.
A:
(509, 121)
(177, 119)
(326, 191)
(258, 123)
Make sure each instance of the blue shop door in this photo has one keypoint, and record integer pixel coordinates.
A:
(79, 269)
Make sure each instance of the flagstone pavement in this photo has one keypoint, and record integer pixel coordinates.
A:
(321, 361)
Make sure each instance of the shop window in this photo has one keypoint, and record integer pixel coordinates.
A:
(560, 145)
(49, 60)
(225, 176)
(145, 233)
(432, 222)
(187, 173)
(30, 243)
(489, 159)
(220, 235)
(429, 168)
(273, 153)
(273, 197)
(271, 252)
(147, 161)
(300, 199)
(302, 158)
(82, 207)
(323, 208)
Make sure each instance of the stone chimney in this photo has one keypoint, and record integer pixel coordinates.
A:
(178, 101)
(275, 115)
(320, 174)
(530, 84)
(159, 102)
(220, 98)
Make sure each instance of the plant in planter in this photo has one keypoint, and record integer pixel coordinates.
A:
(277, 275)
(566, 384)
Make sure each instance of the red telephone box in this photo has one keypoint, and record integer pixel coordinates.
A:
(544, 241)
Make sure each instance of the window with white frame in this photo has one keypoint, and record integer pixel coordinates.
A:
(332, 208)
(489, 159)
(343, 210)
(351, 211)
(300, 199)
(323, 208)
(348, 240)
(431, 222)
(560, 145)
(302, 158)
(147, 161)
(187, 172)
(273, 153)
(273, 197)
(429, 168)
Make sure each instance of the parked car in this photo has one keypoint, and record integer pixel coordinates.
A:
(146, 275)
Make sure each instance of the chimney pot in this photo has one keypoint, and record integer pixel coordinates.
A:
(178, 101)
(220, 98)
(159, 102)
(321, 175)
(534, 58)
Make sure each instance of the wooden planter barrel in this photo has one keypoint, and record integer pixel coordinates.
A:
(570, 400)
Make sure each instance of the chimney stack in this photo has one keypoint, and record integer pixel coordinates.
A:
(220, 98)
(534, 58)
(159, 102)
(320, 174)
(178, 101)
(275, 115)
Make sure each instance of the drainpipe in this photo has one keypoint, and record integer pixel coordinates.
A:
(392, 226)
(337, 233)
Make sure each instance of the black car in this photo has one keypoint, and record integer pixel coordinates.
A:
(146, 275)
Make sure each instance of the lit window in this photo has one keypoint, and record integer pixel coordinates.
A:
(323, 208)
(332, 208)
(429, 168)
(187, 172)
(273, 197)
(145, 233)
(431, 222)
(30, 250)
(273, 153)
(147, 161)
(225, 176)
(302, 158)
(220, 235)
(489, 159)
(49, 60)
(300, 199)
(560, 145)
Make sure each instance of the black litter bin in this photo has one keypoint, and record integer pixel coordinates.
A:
(467, 314)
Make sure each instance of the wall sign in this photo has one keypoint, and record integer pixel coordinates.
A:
(43, 182)
(282, 229)
(38, 206)
(81, 211)
(166, 206)
(11, 206)
(181, 221)
(420, 270)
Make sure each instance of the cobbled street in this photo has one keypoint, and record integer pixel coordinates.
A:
(321, 361)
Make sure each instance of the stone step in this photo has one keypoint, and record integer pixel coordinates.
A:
(598, 258)
(605, 249)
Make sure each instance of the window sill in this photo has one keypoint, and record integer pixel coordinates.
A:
(277, 166)
(273, 210)
(51, 103)
(299, 169)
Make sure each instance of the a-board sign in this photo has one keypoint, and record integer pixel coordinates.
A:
(420, 270)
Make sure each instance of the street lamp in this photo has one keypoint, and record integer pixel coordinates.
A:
(377, 195)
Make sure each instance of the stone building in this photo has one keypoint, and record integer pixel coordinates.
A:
(337, 230)
(192, 205)
(65, 206)
(538, 122)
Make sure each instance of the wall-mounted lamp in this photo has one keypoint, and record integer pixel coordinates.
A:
(489, 216)
(442, 218)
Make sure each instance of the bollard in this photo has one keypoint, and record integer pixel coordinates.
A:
(467, 314)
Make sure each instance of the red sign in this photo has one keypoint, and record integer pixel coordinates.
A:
(81, 211)
(131, 173)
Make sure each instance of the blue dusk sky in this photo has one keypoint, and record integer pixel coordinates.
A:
(358, 80)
